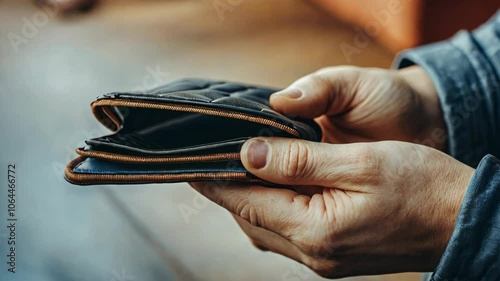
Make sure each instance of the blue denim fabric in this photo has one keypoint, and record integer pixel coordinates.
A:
(473, 252)
(466, 73)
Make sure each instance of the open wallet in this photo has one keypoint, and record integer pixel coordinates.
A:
(188, 130)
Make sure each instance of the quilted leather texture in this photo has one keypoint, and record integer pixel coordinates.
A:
(225, 96)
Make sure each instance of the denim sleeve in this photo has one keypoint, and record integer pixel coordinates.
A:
(466, 73)
(473, 252)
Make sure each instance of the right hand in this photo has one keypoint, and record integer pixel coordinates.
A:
(353, 104)
(351, 209)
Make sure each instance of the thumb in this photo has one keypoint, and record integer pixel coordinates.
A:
(327, 91)
(299, 162)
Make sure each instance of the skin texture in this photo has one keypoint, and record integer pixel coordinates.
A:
(356, 204)
(354, 104)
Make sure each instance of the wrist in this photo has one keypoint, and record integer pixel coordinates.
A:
(435, 133)
(452, 189)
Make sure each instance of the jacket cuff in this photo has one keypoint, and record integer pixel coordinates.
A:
(463, 79)
(473, 250)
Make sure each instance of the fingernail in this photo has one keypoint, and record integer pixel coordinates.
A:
(257, 154)
(291, 93)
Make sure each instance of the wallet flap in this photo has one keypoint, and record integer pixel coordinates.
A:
(216, 98)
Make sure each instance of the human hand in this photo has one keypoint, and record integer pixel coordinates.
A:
(355, 209)
(353, 104)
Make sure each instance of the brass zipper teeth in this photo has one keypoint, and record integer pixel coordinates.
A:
(155, 178)
(187, 108)
(146, 160)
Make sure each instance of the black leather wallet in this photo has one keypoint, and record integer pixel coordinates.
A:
(188, 130)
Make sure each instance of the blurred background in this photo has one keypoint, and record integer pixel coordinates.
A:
(55, 59)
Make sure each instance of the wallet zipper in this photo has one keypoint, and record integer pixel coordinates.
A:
(104, 103)
(153, 160)
(101, 110)
(156, 178)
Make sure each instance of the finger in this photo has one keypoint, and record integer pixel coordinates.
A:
(269, 241)
(298, 162)
(277, 210)
(328, 91)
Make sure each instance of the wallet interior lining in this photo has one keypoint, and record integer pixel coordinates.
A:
(158, 159)
(172, 135)
(101, 110)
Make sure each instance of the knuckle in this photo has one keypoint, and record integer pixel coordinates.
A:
(325, 70)
(296, 161)
(347, 69)
(318, 81)
(248, 212)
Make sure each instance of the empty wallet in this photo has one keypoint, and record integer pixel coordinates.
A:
(188, 130)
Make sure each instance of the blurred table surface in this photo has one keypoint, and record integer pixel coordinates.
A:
(124, 233)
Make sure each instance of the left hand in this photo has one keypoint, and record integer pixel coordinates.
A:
(355, 209)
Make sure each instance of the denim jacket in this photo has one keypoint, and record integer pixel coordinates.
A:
(466, 72)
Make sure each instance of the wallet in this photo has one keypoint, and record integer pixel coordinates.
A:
(188, 130)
